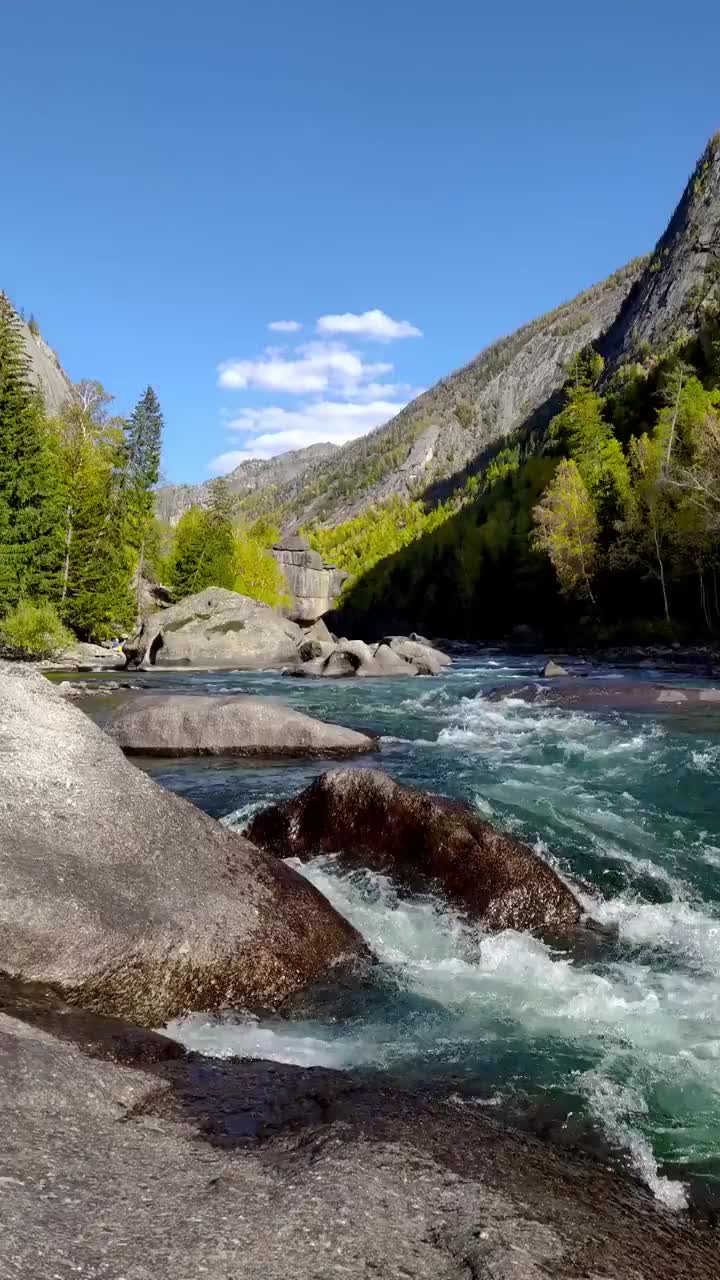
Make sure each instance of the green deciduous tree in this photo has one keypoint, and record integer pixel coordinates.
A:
(567, 531)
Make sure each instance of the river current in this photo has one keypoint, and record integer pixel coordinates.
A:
(628, 1037)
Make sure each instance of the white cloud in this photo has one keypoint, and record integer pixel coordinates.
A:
(273, 429)
(285, 326)
(314, 367)
(375, 325)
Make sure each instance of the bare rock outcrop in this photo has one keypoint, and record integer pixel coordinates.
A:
(368, 819)
(126, 898)
(313, 586)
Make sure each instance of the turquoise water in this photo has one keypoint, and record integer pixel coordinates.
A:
(628, 1037)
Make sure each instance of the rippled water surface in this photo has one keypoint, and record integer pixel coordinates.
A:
(629, 803)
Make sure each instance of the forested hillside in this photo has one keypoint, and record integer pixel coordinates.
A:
(606, 521)
(80, 544)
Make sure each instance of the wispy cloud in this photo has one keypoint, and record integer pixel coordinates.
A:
(273, 429)
(373, 325)
(313, 368)
(285, 326)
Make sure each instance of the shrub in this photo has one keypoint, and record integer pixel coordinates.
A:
(36, 629)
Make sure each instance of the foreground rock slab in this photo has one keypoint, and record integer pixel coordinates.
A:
(125, 897)
(183, 724)
(367, 818)
(124, 1157)
(216, 628)
(615, 695)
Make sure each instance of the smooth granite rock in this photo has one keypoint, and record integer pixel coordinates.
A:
(127, 898)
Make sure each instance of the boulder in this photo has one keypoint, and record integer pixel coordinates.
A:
(216, 628)
(552, 670)
(184, 724)
(387, 662)
(312, 585)
(427, 659)
(368, 819)
(126, 898)
(125, 1157)
(615, 695)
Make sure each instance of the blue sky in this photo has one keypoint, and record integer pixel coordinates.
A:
(405, 179)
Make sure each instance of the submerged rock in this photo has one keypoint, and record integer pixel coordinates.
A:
(216, 628)
(123, 1156)
(127, 898)
(553, 670)
(184, 724)
(368, 819)
(615, 695)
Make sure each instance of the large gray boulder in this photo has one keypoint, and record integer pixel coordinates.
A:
(125, 897)
(123, 1157)
(429, 660)
(216, 628)
(312, 585)
(368, 819)
(183, 724)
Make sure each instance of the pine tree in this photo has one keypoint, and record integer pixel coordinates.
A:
(143, 445)
(30, 514)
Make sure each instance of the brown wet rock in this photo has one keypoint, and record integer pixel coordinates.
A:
(368, 819)
(613, 695)
(126, 898)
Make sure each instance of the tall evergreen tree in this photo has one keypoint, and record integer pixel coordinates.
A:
(30, 505)
(143, 444)
(204, 554)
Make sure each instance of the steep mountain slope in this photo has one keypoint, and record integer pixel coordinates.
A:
(255, 482)
(447, 429)
(46, 371)
(682, 273)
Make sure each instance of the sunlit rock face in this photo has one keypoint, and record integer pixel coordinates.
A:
(312, 585)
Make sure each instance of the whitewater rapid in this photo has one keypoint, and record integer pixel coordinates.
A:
(630, 1036)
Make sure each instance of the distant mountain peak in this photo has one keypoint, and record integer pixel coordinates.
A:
(681, 275)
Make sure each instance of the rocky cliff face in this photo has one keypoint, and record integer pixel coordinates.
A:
(442, 435)
(312, 585)
(682, 273)
(46, 372)
(256, 480)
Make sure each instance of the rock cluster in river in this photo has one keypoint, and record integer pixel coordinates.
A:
(127, 898)
(395, 656)
(188, 724)
(221, 629)
(368, 819)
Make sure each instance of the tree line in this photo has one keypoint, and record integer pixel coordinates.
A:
(79, 538)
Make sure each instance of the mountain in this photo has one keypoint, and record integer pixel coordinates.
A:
(255, 482)
(679, 277)
(46, 372)
(442, 436)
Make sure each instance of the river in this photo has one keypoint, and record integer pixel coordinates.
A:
(627, 1038)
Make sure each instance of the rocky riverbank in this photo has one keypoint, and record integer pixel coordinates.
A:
(123, 1155)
